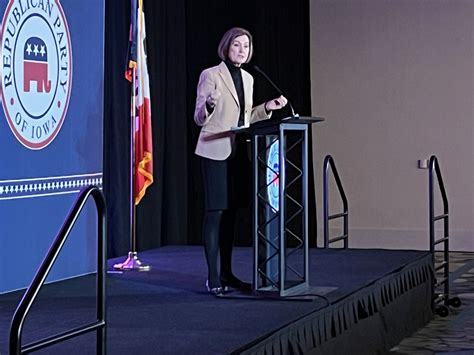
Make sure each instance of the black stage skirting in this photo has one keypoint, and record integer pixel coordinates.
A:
(371, 299)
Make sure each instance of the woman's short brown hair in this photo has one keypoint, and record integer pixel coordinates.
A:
(228, 37)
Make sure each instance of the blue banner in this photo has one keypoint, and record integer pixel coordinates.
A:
(50, 133)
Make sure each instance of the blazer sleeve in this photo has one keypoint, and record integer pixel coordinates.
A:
(259, 113)
(205, 86)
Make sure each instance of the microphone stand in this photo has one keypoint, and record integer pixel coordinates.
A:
(270, 81)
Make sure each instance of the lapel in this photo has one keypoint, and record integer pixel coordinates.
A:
(227, 79)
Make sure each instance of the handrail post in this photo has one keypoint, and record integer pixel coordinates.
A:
(101, 270)
(432, 226)
(329, 163)
(434, 168)
(32, 292)
(431, 202)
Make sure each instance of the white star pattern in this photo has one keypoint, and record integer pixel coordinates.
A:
(28, 48)
(35, 49)
(42, 51)
(46, 188)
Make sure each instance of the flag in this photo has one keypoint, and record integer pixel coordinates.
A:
(137, 74)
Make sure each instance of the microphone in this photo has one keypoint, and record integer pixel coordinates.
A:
(257, 68)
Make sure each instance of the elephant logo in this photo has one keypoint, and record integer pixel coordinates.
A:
(36, 73)
(35, 66)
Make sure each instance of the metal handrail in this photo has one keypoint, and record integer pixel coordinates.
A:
(31, 293)
(329, 163)
(435, 169)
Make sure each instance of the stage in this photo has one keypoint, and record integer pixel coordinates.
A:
(368, 301)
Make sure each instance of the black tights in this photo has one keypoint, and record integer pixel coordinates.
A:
(218, 235)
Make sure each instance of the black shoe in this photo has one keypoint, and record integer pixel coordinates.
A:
(233, 282)
(216, 291)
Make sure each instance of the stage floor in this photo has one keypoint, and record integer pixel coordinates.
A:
(168, 311)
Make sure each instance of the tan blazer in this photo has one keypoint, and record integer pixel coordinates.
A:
(215, 139)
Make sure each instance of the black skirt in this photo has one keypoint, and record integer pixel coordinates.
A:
(227, 183)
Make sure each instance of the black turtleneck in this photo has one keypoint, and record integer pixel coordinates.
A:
(236, 74)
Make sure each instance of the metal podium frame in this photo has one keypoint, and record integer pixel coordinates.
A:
(292, 137)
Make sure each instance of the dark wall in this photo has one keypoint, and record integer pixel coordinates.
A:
(182, 39)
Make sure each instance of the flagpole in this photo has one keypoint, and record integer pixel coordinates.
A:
(132, 262)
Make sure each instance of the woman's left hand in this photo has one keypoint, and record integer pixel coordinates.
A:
(276, 104)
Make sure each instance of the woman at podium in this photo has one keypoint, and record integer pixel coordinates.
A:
(225, 101)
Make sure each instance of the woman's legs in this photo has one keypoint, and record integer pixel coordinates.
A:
(211, 231)
(222, 191)
(226, 242)
(218, 235)
(214, 174)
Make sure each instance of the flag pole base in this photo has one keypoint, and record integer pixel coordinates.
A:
(132, 263)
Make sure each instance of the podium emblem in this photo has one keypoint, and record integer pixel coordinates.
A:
(36, 75)
(273, 175)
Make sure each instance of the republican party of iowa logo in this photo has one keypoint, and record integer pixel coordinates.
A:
(36, 70)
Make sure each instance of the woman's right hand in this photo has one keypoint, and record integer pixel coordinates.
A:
(212, 99)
